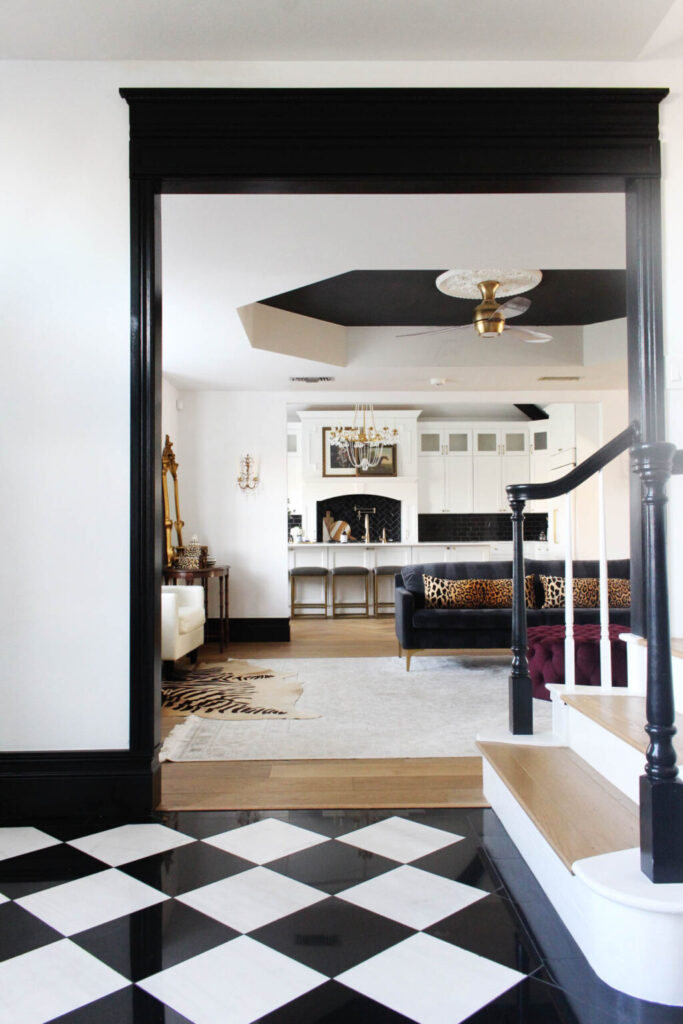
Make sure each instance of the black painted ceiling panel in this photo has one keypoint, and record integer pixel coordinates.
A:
(379, 298)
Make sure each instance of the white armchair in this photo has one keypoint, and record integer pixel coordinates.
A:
(182, 621)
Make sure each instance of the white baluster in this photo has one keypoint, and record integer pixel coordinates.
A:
(605, 647)
(569, 664)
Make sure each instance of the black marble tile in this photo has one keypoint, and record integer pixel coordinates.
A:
(148, 941)
(20, 932)
(332, 867)
(490, 929)
(42, 869)
(461, 862)
(333, 1003)
(595, 1002)
(186, 868)
(128, 1006)
(530, 1002)
(332, 936)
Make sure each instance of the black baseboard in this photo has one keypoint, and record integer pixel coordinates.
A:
(106, 784)
(254, 630)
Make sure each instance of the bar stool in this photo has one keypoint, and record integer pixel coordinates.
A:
(348, 572)
(383, 570)
(314, 572)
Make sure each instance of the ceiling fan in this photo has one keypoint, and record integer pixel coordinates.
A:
(489, 317)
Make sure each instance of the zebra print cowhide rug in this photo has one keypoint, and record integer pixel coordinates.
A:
(233, 691)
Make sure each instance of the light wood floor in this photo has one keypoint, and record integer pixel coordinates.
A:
(333, 783)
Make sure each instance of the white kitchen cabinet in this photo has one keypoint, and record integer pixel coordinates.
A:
(492, 441)
(491, 477)
(444, 485)
(437, 439)
(431, 485)
(539, 463)
(562, 426)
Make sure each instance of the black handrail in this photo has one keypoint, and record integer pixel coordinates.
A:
(661, 788)
(593, 464)
(520, 690)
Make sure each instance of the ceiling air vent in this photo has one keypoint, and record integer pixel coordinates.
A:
(310, 380)
(559, 378)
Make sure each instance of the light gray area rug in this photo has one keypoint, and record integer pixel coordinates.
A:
(368, 707)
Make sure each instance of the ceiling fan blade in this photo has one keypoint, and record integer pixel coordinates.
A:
(434, 330)
(514, 306)
(526, 334)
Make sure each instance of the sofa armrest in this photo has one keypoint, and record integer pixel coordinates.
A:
(187, 597)
(405, 607)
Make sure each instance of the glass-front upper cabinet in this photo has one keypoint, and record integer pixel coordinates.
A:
(444, 439)
(502, 441)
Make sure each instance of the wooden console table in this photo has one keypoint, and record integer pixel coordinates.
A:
(222, 574)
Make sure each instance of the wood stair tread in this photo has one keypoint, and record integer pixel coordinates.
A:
(624, 716)
(578, 812)
(676, 645)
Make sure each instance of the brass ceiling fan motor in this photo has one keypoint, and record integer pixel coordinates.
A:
(488, 321)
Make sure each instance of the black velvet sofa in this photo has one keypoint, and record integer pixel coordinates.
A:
(419, 628)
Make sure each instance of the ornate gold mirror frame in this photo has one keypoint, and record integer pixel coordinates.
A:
(169, 465)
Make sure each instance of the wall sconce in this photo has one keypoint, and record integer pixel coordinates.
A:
(247, 479)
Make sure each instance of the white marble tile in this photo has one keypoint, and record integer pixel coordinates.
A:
(252, 898)
(430, 981)
(86, 902)
(55, 979)
(400, 839)
(239, 982)
(266, 840)
(130, 842)
(413, 897)
(16, 841)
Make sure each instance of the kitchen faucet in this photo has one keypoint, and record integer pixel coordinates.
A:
(366, 512)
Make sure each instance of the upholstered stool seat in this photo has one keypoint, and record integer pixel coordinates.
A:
(349, 572)
(315, 572)
(545, 646)
(384, 570)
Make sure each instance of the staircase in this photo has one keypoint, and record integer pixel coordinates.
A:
(569, 800)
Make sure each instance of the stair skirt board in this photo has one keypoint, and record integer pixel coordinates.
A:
(630, 930)
(617, 761)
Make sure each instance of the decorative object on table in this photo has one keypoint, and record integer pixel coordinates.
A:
(297, 534)
(337, 529)
(170, 465)
(248, 479)
(363, 443)
(489, 316)
(191, 556)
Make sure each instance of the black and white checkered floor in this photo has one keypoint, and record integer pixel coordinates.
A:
(287, 918)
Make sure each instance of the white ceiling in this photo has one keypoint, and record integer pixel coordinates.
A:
(223, 252)
(330, 29)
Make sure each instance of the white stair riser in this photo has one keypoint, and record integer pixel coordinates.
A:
(636, 655)
(617, 761)
(634, 950)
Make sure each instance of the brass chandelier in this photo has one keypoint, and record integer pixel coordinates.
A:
(362, 443)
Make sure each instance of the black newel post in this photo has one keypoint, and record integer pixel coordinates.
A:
(521, 704)
(661, 790)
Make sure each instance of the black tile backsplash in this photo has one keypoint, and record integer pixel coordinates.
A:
(387, 516)
(479, 526)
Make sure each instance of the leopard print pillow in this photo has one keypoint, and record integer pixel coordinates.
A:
(586, 591)
(452, 593)
(498, 593)
(619, 593)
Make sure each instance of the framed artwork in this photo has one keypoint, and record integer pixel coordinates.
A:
(386, 465)
(335, 462)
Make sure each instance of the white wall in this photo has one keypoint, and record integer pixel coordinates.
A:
(65, 340)
(246, 530)
(169, 415)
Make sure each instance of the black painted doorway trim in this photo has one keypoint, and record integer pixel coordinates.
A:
(338, 141)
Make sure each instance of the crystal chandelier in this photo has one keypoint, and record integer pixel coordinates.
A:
(362, 443)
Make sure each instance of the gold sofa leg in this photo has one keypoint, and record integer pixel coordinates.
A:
(409, 655)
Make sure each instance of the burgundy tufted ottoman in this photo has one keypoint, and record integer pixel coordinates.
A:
(546, 656)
